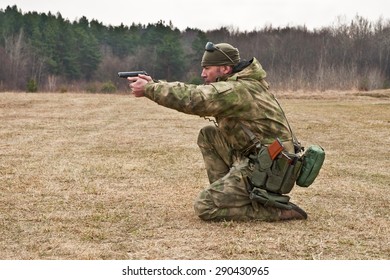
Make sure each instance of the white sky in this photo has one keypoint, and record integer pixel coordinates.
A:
(246, 15)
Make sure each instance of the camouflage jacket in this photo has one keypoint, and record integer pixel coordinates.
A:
(240, 98)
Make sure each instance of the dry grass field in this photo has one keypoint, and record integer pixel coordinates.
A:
(86, 176)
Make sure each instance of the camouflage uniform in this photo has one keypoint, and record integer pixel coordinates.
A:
(238, 99)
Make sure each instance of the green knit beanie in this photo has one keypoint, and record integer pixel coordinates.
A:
(220, 54)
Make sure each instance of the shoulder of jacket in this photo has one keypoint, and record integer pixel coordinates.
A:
(222, 87)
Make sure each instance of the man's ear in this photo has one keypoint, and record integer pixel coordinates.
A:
(227, 69)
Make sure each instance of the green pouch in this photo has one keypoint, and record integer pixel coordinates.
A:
(283, 174)
(270, 199)
(277, 176)
(263, 164)
(312, 161)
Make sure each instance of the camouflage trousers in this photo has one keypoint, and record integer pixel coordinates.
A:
(227, 197)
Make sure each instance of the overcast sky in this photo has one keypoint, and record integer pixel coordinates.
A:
(246, 15)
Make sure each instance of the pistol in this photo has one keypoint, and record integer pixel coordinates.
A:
(125, 75)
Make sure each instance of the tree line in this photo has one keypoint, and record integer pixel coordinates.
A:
(45, 52)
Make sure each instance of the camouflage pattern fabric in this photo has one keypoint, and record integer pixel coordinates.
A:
(228, 199)
(240, 98)
(217, 154)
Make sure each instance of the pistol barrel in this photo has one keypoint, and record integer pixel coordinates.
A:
(131, 74)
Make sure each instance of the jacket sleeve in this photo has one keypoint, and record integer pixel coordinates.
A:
(203, 100)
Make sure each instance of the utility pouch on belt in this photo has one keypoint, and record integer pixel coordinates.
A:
(312, 161)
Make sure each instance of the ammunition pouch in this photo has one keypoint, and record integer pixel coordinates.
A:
(276, 176)
(270, 199)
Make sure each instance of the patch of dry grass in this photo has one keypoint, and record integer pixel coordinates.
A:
(114, 177)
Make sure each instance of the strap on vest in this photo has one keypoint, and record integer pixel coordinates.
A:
(255, 142)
